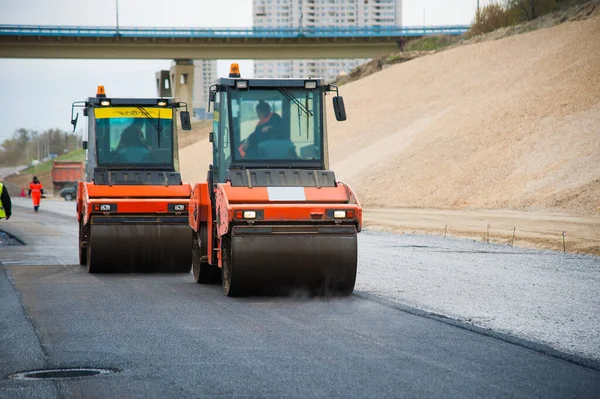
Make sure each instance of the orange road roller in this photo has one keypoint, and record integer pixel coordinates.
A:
(132, 207)
(271, 216)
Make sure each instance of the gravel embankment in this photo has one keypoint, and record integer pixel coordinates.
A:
(544, 296)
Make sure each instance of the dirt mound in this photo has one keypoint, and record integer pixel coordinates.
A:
(502, 124)
(199, 132)
(377, 64)
(510, 123)
(431, 44)
(195, 152)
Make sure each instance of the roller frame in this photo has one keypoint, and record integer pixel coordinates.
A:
(204, 272)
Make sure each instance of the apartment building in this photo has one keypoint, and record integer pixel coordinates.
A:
(205, 75)
(319, 13)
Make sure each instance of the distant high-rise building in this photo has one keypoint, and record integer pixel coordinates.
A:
(205, 75)
(319, 13)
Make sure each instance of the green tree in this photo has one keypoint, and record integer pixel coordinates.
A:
(26, 145)
(13, 150)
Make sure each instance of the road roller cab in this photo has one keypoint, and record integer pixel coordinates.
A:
(271, 215)
(132, 206)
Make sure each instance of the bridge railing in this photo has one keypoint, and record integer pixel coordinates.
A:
(258, 33)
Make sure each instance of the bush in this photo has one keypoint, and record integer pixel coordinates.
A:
(430, 43)
(491, 17)
(527, 10)
(511, 12)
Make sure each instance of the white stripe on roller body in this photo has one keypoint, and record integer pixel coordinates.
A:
(286, 194)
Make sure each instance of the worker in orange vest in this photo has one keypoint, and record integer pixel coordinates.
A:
(36, 191)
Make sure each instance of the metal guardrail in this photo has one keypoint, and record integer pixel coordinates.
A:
(257, 33)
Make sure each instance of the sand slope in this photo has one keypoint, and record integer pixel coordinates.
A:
(512, 123)
(506, 124)
(195, 153)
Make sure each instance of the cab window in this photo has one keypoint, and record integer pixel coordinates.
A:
(126, 136)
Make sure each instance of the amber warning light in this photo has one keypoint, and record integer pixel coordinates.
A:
(100, 92)
(234, 71)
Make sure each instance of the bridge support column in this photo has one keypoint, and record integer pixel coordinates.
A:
(163, 84)
(182, 81)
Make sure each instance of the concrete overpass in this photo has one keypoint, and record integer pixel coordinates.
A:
(26, 41)
(186, 44)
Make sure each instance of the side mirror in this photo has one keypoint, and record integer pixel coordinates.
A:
(339, 109)
(186, 124)
(84, 145)
(74, 121)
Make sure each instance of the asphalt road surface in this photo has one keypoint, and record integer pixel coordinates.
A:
(163, 336)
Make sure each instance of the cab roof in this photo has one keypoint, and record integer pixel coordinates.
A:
(146, 102)
(292, 83)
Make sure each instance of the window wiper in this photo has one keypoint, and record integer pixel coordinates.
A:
(294, 100)
(156, 125)
(307, 118)
(150, 118)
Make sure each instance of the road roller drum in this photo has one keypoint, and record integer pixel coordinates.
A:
(144, 245)
(281, 259)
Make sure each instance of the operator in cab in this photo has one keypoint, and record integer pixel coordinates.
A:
(132, 147)
(270, 126)
(133, 135)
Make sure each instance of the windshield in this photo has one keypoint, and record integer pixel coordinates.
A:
(275, 125)
(134, 136)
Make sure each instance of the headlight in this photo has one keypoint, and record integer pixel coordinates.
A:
(339, 214)
(104, 207)
(177, 207)
(241, 84)
(240, 214)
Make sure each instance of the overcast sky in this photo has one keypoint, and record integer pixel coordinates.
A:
(37, 94)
